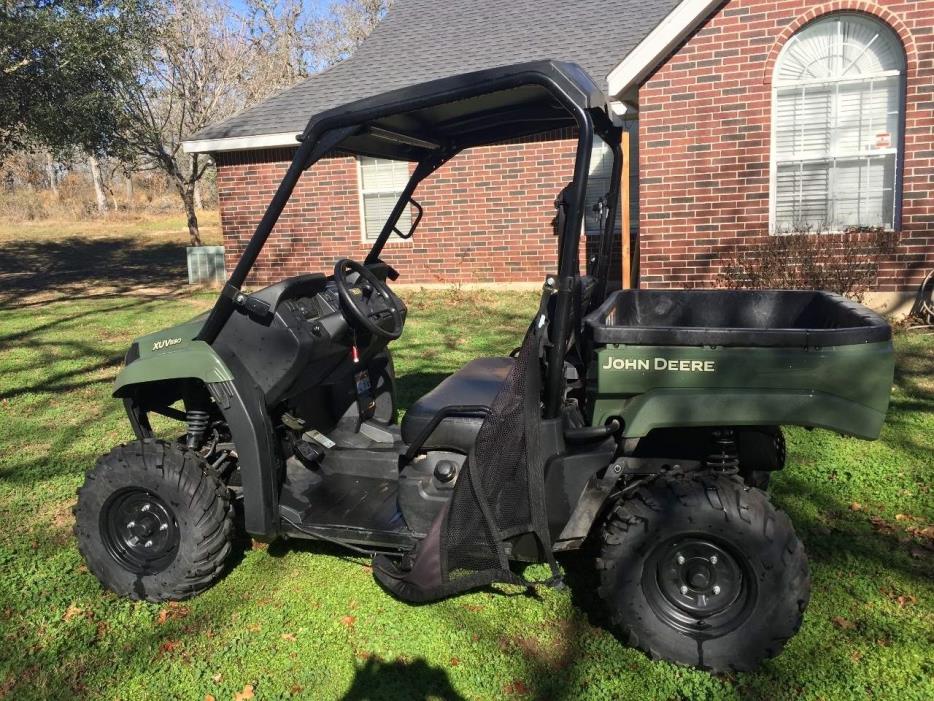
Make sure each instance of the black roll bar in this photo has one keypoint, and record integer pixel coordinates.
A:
(568, 265)
(309, 151)
(422, 171)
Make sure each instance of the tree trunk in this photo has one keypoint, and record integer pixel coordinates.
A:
(187, 191)
(199, 203)
(98, 181)
(129, 188)
(53, 176)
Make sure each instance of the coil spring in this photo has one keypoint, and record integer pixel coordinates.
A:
(198, 422)
(725, 457)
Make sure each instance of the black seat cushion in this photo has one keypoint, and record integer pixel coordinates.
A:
(475, 384)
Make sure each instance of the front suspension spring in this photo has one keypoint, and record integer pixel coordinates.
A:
(198, 422)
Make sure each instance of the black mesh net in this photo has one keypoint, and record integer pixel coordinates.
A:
(499, 495)
(493, 500)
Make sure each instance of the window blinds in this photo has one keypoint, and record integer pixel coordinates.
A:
(837, 112)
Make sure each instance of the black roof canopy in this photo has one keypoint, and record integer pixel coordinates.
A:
(423, 40)
(466, 110)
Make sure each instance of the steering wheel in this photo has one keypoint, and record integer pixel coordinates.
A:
(368, 300)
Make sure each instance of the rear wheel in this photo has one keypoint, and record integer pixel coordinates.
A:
(703, 570)
(152, 523)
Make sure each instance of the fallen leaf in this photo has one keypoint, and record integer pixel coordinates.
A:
(902, 517)
(289, 637)
(904, 600)
(856, 656)
(209, 697)
(173, 611)
(348, 621)
(72, 612)
(516, 688)
(843, 623)
(856, 506)
(296, 689)
(455, 662)
(218, 678)
(247, 693)
(168, 645)
(254, 627)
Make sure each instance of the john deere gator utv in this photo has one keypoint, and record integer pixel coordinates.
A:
(641, 424)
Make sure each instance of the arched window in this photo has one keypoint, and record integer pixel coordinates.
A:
(836, 111)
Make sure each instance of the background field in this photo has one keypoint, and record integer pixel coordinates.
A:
(292, 619)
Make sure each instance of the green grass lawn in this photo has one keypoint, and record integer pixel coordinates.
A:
(294, 620)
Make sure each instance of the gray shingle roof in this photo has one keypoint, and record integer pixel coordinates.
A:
(422, 40)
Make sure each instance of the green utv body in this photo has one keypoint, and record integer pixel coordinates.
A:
(641, 425)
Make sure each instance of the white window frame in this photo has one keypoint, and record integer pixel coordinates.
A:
(361, 205)
(895, 149)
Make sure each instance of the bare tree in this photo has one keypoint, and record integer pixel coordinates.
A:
(281, 38)
(192, 79)
(346, 25)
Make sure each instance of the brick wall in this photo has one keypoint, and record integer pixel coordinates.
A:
(705, 127)
(488, 214)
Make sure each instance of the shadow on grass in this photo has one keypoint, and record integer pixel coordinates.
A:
(70, 268)
(416, 679)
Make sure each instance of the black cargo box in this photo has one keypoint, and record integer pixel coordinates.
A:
(755, 318)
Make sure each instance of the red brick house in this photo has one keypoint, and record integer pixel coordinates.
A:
(749, 118)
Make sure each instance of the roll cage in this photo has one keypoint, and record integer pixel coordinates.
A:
(432, 122)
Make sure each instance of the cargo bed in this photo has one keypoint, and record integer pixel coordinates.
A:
(666, 358)
(758, 318)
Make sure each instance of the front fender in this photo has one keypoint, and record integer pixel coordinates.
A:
(191, 360)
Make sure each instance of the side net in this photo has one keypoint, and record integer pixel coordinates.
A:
(498, 495)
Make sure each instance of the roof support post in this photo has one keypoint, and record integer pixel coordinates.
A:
(312, 149)
(568, 267)
(422, 171)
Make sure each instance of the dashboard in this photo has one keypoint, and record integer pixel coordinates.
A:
(304, 341)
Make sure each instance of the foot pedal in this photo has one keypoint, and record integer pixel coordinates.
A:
(310, 453)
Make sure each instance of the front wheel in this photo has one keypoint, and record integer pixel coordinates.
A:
(153, 523)
(703, 570)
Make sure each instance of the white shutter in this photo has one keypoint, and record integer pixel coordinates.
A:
(381, 183)
(836, 112)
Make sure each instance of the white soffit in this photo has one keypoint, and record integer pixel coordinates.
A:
(241, 143)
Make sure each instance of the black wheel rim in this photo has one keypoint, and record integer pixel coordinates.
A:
(699, 585)
(139, 531)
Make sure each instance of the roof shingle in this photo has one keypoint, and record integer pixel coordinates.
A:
(421, 40)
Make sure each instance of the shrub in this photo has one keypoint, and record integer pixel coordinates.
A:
(846, 263)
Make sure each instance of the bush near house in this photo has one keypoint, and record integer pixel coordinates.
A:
(846, 263)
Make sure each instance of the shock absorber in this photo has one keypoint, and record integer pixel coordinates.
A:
(198, 422)
(725, 456)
